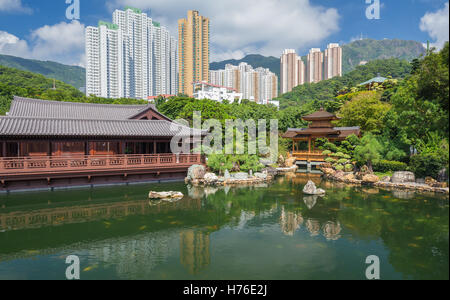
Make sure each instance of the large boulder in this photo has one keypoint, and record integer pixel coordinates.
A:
(311, 189)
(290, 162)
(210, 178)
(328, 171)
(196, 172)
(443, 175)
(165, 195)
(403, 177)
(370, 178)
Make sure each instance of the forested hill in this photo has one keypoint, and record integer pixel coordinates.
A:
(73, 75)
(14, 82)
(328, 89)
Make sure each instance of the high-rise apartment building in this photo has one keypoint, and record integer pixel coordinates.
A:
(193, 45)
(259, 85)
(332, 61)
(132, 57)
(314, 66)
(292, 71)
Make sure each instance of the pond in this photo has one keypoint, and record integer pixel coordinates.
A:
(260, 232)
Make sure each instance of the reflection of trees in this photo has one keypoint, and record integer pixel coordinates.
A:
(290, 221)
(194, 250)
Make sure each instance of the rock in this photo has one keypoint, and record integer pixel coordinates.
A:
(236, 167)
(328, 171)
(350, 177)
(430, 181)
(281, 161)
(403, 177)
(370, 178)
(240, 176)
(339, 174)
(250, 173)
(266, 161)
(443, 175)
(290, 162)
(386, 179)
(210, 178)
(196, 172)
(261, 176)
(165, 195)
(227, 175)
(311, 189)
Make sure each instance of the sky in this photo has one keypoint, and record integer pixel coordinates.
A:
(41, 29)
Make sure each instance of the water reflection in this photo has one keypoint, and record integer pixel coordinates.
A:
(218, 230)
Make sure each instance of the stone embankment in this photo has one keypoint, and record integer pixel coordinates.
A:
(198, 176)
(400, 180)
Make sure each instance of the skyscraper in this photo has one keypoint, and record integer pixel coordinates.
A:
(332, 61)
(132, 57)
(193, 45)
(259, 85)
(314, 67)
(292, 70)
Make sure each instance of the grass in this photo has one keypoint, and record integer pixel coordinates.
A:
(381, 174)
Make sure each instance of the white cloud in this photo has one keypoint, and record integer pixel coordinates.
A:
(252, 26)
(62, 42)
(14, 6)
(436, 25)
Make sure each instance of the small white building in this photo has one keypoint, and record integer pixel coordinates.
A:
(204, 90)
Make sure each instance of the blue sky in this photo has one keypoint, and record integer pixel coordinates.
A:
(40, 29)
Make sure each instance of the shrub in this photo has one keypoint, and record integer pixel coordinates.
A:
(389, 166)
(346, 156)
(339, 154)
(349, 167)
(343, 161)
(326, 152)
(428, 164)
(339, 167)
(330, 160)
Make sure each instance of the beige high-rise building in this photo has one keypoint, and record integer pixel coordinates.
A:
(314, 66)
(193, 51)
(292, 71)
(333, 61)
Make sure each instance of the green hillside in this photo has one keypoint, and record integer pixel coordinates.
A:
(73, 75)
(328, 89)
(368, 50)
(14, 82)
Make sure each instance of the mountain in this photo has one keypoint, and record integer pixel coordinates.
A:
(368, 50)
(352, 54)
(73, 75)
(255, 60)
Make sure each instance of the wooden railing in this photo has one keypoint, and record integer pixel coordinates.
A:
(49, 164)
(315, 155)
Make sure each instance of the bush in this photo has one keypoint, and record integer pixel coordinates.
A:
(349, 167)
(428, 164)
(343, 161)
(326, 152)
(389, 166)
(330, 160)
(339, 168)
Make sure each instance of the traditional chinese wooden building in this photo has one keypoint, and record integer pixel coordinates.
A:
(50, 143)
(320, 127)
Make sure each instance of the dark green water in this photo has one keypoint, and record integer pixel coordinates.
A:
(265, 232)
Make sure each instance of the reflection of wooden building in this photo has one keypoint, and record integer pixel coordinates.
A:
(321, 127)
(52, 140)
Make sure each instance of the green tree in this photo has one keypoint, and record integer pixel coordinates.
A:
(369, 151)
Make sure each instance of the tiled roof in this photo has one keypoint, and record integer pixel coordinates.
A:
(39, 127)
(374, 80)
(343, 131)
(34, 108)
(322, 114)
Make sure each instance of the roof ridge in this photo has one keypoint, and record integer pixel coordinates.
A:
(74, 119)
(81, 103)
